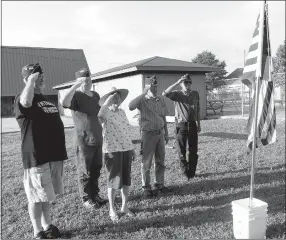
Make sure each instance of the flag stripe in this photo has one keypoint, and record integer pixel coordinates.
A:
(253, 47)
(251, 61)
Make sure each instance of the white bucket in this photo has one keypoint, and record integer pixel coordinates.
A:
(249, 223)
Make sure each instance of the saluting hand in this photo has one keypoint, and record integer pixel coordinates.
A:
(79, 81)
(146, 89)
(182, 79)
(33, 77)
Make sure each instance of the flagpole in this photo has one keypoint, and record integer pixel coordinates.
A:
(254, 124)
(242, 89)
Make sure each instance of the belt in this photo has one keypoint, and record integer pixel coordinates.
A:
(155, 132)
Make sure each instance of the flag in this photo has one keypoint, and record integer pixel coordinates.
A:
(257, 70)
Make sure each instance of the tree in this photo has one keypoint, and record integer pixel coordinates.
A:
(279, 66)
(213, 79)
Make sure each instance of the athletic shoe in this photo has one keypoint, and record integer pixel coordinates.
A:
(52, 232)
(41, 235)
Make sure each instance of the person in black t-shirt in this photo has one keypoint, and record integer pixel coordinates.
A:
(88, 131)
(43, 150)
(187, 116)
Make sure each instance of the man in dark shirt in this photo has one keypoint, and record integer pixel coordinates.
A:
(84, 105)
(43, 150)
(187, 118)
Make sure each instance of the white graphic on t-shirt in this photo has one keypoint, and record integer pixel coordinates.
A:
(48, 107)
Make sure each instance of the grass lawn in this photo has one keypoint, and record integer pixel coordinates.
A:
(199, 208)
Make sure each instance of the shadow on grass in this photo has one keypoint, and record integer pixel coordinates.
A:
(226, 135)
(276, 231)
(279, 166)
(204, 211)
(213, 210)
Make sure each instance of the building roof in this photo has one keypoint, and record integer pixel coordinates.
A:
(59, 65)
(154, 64)
(237, 73)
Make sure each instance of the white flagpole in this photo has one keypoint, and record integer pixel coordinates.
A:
(254, 124)
(242, 89)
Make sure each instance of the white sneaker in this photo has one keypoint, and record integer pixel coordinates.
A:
(89, 204)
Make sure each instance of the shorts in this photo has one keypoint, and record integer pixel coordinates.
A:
(42, 183)
(118, 166)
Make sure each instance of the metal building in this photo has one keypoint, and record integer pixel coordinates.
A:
(132, 76)
(59, 65)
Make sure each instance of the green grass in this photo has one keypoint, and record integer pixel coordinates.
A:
(200, 208)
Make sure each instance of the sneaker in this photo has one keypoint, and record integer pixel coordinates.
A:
(161, 189)
(100, 200)
(41, 235)
(147, 193)
(89, 204)
(52, 232)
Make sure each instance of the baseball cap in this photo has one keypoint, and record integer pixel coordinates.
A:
(187, 78)
(151, 80)
(31, 68)
(84, 72)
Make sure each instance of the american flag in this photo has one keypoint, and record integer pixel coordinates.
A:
(258, 66)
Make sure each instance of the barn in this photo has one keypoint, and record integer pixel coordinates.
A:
(132, 77)
(59, 65)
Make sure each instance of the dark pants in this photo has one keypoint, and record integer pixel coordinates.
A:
(89, 164)
(187, 134)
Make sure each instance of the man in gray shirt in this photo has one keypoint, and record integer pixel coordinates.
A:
(154, 130)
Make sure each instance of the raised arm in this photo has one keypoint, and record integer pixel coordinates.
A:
(27, 95)
(136, 101)
(104, 107)
(66, 99)
(170, 88)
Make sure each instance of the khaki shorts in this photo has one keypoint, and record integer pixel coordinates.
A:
(42, 183)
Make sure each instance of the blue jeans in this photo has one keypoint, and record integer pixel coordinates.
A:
(153, 143)
(89, 164)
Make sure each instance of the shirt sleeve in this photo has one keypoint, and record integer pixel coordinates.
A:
(75, 102)
(20, 110)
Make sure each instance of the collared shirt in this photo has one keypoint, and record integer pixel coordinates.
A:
(153, 113)
(187, 105)
(116, 132)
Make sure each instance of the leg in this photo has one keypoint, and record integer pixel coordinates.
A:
(84, 160)
(193, 149)
(160, 161)
(181, 148)
(111, 198)
(35, 213)
(149, 145)
(95, 174)
(46, 216)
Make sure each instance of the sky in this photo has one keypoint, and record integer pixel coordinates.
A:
(113, 33)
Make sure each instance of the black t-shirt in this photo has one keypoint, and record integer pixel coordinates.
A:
(42, 132)
(84, 112)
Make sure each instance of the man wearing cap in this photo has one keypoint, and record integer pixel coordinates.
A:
(88, 131)
(154, 131)
(187, 117)
(43, 150)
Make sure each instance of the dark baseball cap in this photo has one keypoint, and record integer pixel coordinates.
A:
(151, 80)
(31, 68)
(187, 78)
(84, 72)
